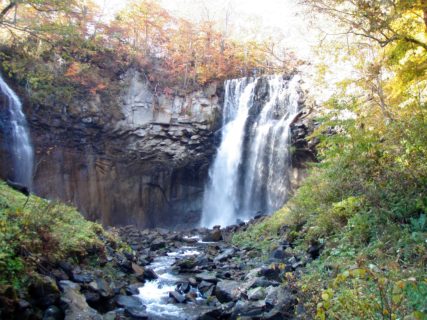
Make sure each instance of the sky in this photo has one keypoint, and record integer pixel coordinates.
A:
(249, 18)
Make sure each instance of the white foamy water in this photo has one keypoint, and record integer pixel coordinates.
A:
(18, 137)
(250, 173)
(155, 294)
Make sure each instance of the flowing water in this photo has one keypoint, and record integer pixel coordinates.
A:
(250, 174)
(155, 294)
(17, 136)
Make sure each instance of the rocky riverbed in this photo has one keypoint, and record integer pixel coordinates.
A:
(196, 274)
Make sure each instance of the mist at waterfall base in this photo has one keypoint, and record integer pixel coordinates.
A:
(251, 171)
(17, 138)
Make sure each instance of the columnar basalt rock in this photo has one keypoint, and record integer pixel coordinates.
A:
(141, 158)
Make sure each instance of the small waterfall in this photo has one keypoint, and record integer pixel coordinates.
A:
(250, 173)
(16, 129)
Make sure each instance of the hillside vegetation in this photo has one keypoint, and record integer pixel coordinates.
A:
(365, 203)
(61, 49)
(37, 234)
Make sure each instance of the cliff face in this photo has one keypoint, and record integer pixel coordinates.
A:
(137, 157)
(142, 159)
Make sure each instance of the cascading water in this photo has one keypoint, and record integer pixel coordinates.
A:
(16, 129)
(250, 173)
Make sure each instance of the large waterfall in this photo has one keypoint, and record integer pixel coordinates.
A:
(18, 141)
(250, 173)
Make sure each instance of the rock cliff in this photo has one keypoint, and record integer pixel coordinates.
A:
(134, 155)
(139, 159)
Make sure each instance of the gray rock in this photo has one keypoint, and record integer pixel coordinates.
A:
(281, 299)
(248, 309)
(101, 287)
(179, 298)
(257, 294)
(133, 289)
(137, 313)
(53, 313)
(228, 253)
(128, 302)
(207, 276)
(227, 290)
(75, 305)
(82, 277)
(213, 236)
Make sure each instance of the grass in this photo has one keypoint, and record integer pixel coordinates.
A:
(40, 232)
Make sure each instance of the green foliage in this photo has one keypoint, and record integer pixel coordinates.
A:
(368, 293)
(263, 235)
(43, 230)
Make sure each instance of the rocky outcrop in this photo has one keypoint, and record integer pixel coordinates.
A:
(139, 158)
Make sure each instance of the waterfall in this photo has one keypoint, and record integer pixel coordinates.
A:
(16, 129)
(250, 173)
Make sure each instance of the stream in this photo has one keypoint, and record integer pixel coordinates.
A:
(155, 294)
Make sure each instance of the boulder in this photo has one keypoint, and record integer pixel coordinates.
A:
(100, 286)
(177, 297)
(258, 293)
(158, 244)
(44, 291)
(227, 290)
(74, 303)
(248, 309)
(214, 235)
(207, 276)
(128, 302)
(228, 253)
(281, 299)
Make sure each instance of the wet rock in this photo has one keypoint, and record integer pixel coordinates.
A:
(183, 287)
(133, 289)
(74, 303)
(149, 274)
(227, 290)
(139, 271)
(204, 286)
(186, 265)
(128, 302)
(137, 313)
(192, 281)
(179, 298)
(158, 244)
(213, 236)
(228, 253)
(53, 313)
(207, 276)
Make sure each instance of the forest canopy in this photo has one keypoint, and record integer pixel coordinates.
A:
(51, 44)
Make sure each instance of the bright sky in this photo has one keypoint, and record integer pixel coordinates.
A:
(249, 18)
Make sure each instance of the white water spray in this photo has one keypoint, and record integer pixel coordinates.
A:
(17, 131)
(250, 173)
